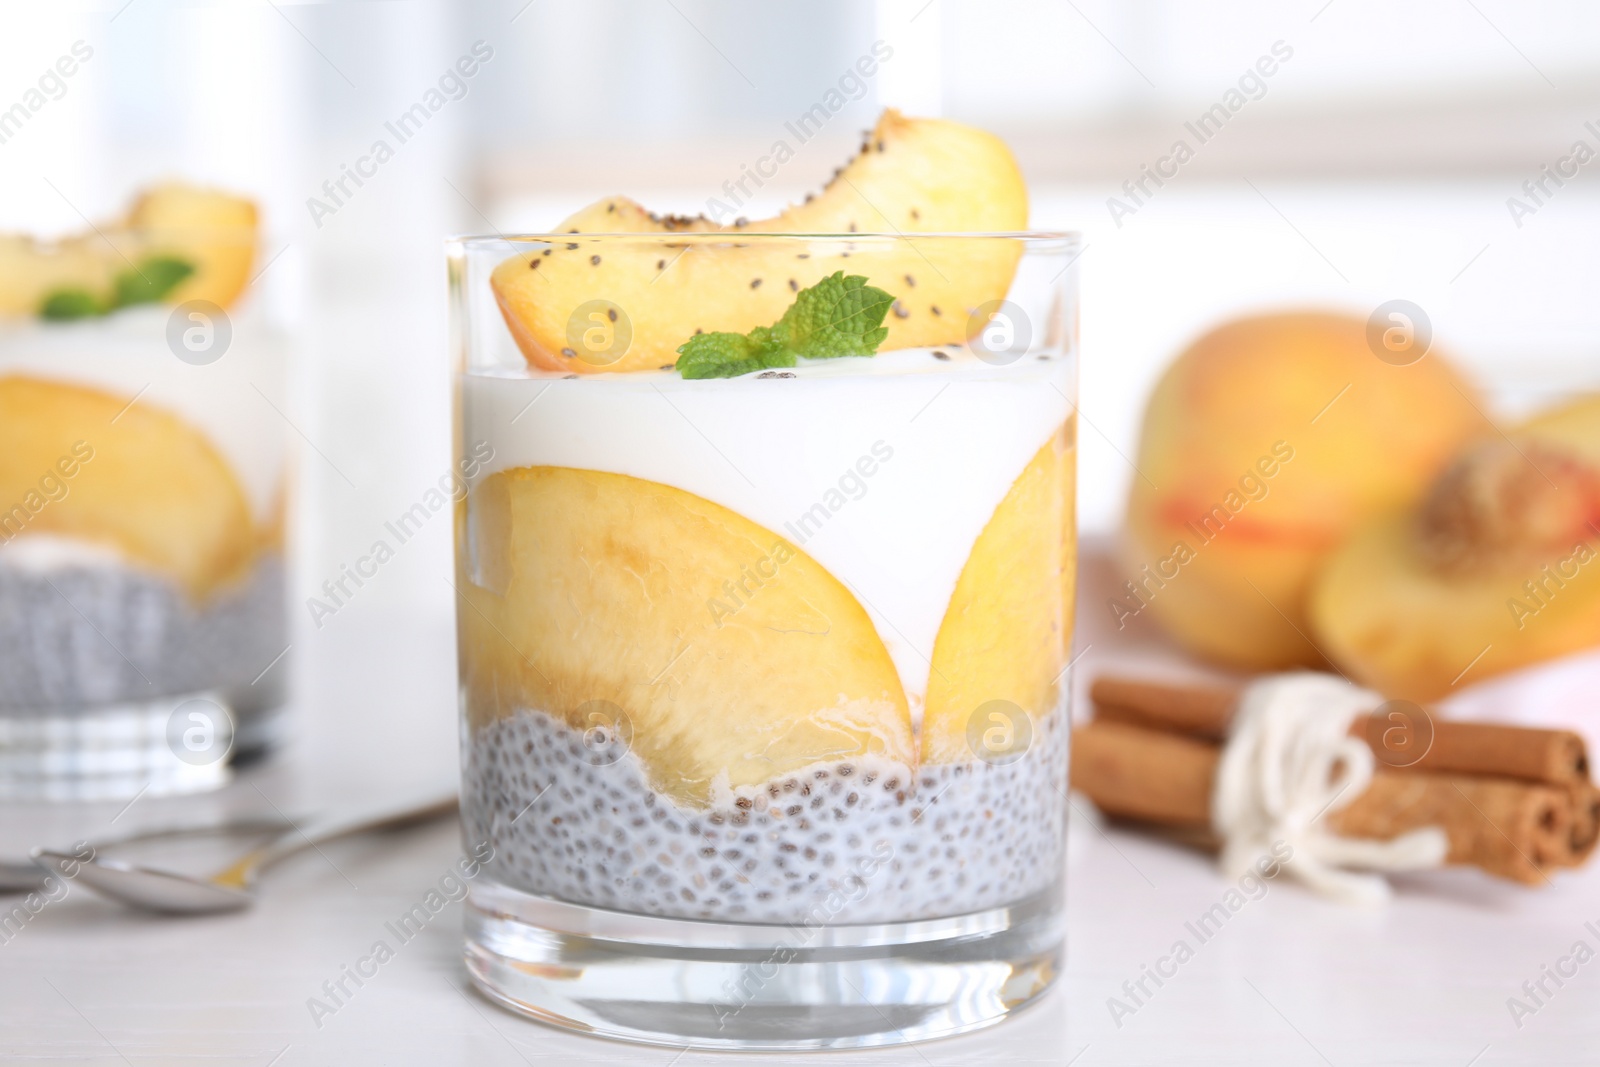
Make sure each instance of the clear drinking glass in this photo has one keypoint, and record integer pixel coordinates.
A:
(764, 678)
(143, 615)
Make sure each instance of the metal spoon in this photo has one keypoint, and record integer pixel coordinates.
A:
(25, 875)
(233, 887)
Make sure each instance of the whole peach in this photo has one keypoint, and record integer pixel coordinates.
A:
(1264, 445)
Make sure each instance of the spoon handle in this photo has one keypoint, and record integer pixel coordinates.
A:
(389, 815)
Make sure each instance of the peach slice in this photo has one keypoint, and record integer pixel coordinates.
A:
(146, 484)
(912, 176)
(734, 656)
(1498, 568)
(1006, 632)
(1264, 446)
(212, 232)
(29, 270)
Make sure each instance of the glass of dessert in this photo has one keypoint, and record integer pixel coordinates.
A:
(765, 580)
(142, 464)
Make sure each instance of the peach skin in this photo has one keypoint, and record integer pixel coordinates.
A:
(1264, 445)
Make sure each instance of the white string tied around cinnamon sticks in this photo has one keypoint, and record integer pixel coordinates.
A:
(1290, 762)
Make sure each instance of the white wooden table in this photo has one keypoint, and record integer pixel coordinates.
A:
(1289, 979)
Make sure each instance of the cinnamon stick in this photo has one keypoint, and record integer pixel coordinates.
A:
(1585, 820)
(1514, 829)
(1535, 755)
(1509, 828)
(1205, 711)
(1144, 774)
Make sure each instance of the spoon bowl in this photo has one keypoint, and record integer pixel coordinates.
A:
(233, 887)
(148, 888)
(30, 875)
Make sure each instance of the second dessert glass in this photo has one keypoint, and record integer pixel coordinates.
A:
(143, 498)
(764, 678)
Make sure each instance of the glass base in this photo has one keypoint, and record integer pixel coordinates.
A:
(706, 985)
(186, 743)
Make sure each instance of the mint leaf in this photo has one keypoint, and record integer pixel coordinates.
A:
(151, 281)
(65, 305)
(839, 316)
(728, 355)
(714, 355)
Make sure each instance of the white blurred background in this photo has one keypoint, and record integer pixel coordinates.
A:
(1375, 163)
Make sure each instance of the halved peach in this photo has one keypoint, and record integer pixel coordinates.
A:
(1496, 569)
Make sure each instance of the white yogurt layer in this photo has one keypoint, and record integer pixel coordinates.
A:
(885, 470)
(126, 354)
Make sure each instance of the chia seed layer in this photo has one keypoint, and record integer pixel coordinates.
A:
(81, 637)
(855, 841)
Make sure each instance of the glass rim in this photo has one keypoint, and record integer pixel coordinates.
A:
(1034, 237)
